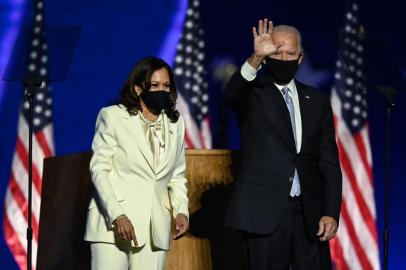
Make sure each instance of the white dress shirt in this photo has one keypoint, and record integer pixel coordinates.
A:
(155, 134)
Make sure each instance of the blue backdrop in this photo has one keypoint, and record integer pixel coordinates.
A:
(114, 34)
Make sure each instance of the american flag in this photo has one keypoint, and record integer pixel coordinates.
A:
(190, 78)
(356, 244)
(15, 218)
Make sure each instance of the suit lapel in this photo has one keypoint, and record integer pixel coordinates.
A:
(304, 104)
(282, 109)
(137, 131)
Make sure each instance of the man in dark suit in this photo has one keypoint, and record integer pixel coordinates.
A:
(287, 194)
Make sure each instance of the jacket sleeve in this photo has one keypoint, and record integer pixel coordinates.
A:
(329, 166)
(101, 166)
(177, 184)
(236, 90)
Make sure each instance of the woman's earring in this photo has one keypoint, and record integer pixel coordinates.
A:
(137, 93)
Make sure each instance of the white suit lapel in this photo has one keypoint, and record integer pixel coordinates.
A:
(137, 132)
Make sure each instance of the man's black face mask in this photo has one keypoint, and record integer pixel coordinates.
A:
(282, 72)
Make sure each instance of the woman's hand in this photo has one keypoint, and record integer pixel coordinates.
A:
(182, 225)
(125, 229)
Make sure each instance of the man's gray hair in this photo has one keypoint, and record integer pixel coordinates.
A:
(290, 29)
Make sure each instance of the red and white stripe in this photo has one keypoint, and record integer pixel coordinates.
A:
(196, 137)
(356, 244)
(15, 221)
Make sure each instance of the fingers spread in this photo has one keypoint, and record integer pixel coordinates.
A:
(260, 27)
(270, 27)
(265, 26)
(254, 32)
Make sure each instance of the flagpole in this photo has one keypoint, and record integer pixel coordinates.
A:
(386, 229)
(388, 92)
(28, 93)
(30, 83)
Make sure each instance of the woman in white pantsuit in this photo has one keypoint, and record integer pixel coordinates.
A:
(137, 170)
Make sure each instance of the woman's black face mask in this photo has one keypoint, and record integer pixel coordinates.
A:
(156, 100)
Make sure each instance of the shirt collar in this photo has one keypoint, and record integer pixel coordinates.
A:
(158, 121)
(291, 85)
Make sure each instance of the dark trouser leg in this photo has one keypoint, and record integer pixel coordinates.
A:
(268, 252)
(272, 251)
(306, 254)
(288, 245)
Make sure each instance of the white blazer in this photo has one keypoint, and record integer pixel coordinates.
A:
(126, 183)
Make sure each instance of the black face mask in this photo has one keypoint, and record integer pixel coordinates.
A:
(282, 72)
(156, 101)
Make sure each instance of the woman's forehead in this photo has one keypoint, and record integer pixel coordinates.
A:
(160, 75)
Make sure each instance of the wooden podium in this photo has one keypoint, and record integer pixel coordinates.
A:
(208, 245)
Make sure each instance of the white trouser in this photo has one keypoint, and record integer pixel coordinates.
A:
(108, 256)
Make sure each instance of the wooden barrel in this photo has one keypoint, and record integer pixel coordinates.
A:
(205, 169)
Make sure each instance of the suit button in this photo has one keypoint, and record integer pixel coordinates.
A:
(291, 179)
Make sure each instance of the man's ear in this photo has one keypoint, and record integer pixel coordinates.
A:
(301, 57)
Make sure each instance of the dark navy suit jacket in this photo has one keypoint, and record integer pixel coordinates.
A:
(269, 156)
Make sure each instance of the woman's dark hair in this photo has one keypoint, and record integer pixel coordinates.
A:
(141, 76)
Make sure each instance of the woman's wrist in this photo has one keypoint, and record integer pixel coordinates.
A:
(122, 216)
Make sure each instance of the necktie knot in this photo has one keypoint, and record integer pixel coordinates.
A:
(285, 93)
(285, 90)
